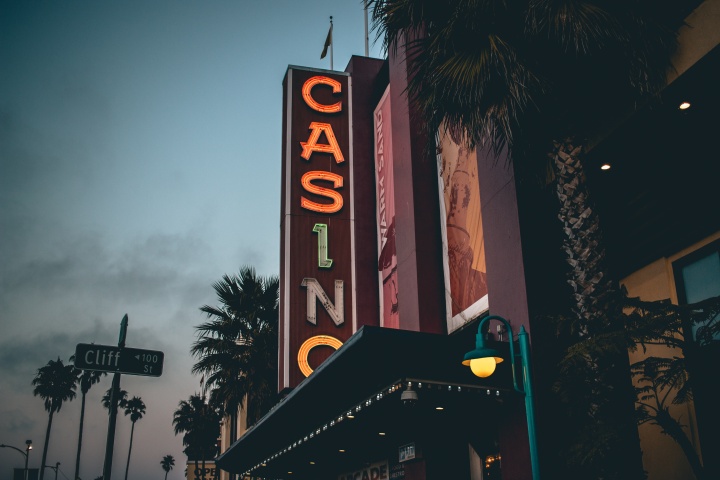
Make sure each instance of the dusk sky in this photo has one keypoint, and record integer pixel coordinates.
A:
(140, 149)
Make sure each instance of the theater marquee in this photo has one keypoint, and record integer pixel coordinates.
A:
(317, 284)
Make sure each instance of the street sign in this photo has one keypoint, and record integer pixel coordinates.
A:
(131, 361)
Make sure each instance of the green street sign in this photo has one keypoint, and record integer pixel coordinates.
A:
(130, 361)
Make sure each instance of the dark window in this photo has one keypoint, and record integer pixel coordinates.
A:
(697, 276)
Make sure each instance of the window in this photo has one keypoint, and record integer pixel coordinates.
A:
(697, 276)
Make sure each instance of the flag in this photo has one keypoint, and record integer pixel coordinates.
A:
(328, 41)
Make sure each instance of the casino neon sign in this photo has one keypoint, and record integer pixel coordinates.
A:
(316, 182)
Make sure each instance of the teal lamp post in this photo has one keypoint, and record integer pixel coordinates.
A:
(482, 361)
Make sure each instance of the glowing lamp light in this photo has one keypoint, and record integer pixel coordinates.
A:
(605, 166)
(483, 367)
(684, 105)
(482, 360)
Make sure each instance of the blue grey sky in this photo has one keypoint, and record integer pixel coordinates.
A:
(139, 162)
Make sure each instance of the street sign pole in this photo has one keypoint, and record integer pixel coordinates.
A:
(114, 398)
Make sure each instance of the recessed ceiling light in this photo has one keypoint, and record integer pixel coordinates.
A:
(605, 166)
(341, 451)
(439, 408)
(684, 105)
(382, 434)
(312, 463)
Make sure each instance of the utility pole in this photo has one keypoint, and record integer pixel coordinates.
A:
(56, 468)
(114, 397)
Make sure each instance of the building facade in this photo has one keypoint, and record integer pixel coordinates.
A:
(391, 253)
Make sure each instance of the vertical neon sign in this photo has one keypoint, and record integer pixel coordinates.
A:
(316, 291)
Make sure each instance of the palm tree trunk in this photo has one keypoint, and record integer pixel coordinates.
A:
(80, 438)
(127, 465)
(583, 243)
(610, 403)
(166, 475)
(45, 447)
(672, 427)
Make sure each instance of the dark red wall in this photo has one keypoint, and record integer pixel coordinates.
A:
(421, 290)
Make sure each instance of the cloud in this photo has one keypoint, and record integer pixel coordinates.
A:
(22, 356)
(15, 421)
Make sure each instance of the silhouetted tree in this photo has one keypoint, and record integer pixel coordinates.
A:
(55, 383)
(167, 463)
(122, 399)
(237, 348)
(200, 424)
(86, 379)
(134, 407)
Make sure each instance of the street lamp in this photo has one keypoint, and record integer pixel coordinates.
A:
(482, 361)
(26, 453)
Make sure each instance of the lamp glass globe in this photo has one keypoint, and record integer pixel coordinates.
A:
(483, 367)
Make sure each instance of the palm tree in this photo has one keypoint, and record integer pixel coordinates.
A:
(534, 78)
(55, 383)
(200, 424)
(167, 463)
(237, 348)
(122, 399)
(134, 407)
(87, 379)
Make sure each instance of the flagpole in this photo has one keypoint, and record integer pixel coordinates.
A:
(367, 40)
(331, 43)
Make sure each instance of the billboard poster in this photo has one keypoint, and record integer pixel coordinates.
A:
(316, 256)
(462, 229)
(385, 202)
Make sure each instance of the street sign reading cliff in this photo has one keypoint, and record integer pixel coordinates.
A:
(317, 302)
(130, 361)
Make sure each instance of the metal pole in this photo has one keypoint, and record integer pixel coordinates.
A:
(527, 388)
(524, 341)
(27, 454)
(367, 37)
(27, 450)
(114, 394)
(56, 468)
(332, 41)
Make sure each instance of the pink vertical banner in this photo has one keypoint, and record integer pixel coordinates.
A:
(385, 196)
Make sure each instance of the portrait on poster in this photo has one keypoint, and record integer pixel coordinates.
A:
(466, 292)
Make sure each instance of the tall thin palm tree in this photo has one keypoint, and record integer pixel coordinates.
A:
(237, 347)
(199, 423)
(134, 407)
(167, 463)
(55, 383)
(86, 379)
(535, 78)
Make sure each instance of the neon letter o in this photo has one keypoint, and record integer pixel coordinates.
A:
(309, 344)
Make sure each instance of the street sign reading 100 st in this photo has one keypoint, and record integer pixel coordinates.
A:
(131, 361)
